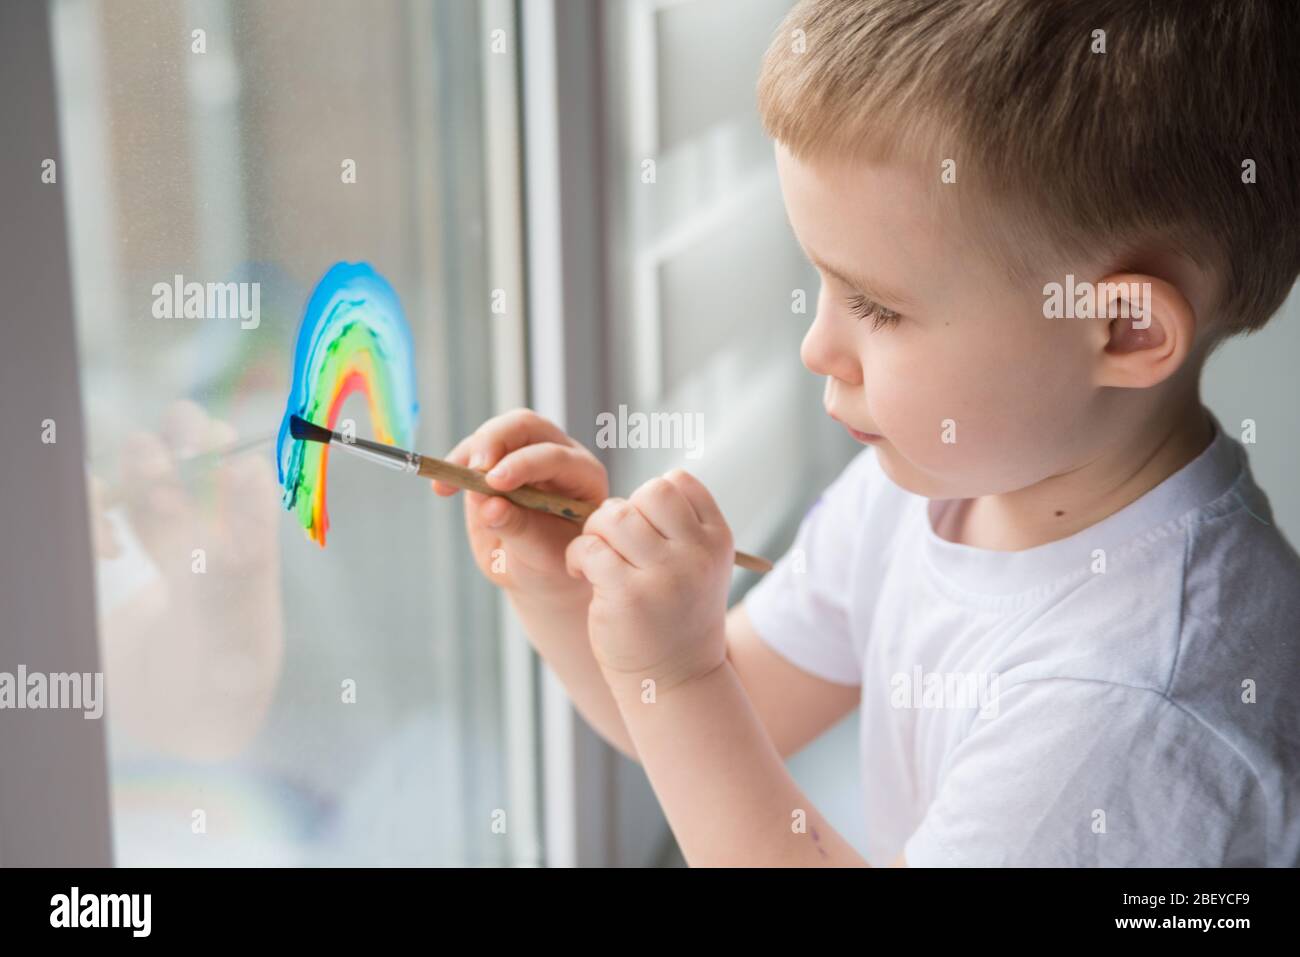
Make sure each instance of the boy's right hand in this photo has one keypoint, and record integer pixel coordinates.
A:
(522, 549)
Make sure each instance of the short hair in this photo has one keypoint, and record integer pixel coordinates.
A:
(1154, 140)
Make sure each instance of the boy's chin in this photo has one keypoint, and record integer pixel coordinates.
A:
(962, 482)
(904, 474)
(910, 478)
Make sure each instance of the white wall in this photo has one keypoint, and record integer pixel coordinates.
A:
(1256, 377)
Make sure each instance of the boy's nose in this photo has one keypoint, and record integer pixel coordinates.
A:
(824, 352)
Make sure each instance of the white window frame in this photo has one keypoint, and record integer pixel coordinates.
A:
(54, 797)
(54, 801)
(55, 805)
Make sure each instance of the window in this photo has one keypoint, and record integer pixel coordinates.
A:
(271, 702)
(711, 294)
(710, 297)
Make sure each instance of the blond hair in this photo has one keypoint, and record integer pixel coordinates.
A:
(1113, 124)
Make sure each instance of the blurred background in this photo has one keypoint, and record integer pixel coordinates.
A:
(578, 210)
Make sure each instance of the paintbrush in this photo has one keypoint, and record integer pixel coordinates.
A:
(465, 478)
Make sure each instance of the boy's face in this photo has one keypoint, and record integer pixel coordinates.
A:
(929, 346)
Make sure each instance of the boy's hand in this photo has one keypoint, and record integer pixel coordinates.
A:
(521, 549)
(659, 565)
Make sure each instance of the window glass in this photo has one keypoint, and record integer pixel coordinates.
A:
(269, 701)
(710, 292)
(711, 297)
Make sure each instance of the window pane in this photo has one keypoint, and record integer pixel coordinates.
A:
(706, 278)
(711, 296)
(271, 702)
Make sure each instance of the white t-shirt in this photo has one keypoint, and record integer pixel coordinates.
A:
(1127, 696)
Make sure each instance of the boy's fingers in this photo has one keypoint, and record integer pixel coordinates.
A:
(700, 498)
(534, 536)
(624, 528)
(506, 519)
(521, 427)
(592, 558)
(459, 455)
(510, 431)
(442, 488)
(498, 437)
(568, 470)
(666, 508)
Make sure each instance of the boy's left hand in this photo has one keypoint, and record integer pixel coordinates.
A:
(659, 565)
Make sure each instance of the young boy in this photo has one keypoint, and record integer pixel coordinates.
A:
(1049, 581)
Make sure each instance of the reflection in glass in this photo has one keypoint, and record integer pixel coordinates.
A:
(270, 702)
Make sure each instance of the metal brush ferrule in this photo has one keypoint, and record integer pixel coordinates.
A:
(398, 459)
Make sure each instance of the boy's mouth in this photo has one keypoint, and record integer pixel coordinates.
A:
(867, 438)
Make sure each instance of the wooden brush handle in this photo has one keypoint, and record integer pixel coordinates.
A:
(535, 498)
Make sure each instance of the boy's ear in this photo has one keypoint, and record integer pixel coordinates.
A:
(1150, 334)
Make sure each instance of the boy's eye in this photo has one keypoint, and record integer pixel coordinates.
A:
(864, 308)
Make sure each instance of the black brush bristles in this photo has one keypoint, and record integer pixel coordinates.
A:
(305, 431)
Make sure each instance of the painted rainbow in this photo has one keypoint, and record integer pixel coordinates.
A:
(353, 338)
